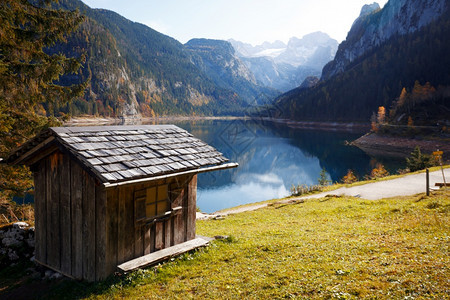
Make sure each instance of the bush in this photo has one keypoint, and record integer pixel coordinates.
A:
(304, 189)
(349, 178)
(379, 172)
(418, 161)
(323, 180)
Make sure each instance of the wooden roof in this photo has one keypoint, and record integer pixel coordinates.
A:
(123, 153)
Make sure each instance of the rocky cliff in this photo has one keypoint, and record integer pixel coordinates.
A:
(387, 53)
(375, 26)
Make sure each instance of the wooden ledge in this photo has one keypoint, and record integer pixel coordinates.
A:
(164, 254)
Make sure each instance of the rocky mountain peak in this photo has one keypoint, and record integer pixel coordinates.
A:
(373, 27)
(284, 67)
(369, 9)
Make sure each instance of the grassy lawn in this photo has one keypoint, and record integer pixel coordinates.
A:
(338, 248)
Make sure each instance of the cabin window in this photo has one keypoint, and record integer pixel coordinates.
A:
(152, 202)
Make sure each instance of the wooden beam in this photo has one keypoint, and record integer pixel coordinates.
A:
(88, 228)
(164, 254)
(65, 215)
(161, 177)
(100, 232)
(76, 187)
(191, 208)
(53, 213)
(40, 212)
(33, 150)
(112, 209)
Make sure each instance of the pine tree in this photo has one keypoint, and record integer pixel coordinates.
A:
(323, 180)
(418, 160)
(29, 76)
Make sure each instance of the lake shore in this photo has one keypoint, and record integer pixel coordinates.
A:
(376, 144)
(371, 143)
(331, 126)
(90, 120)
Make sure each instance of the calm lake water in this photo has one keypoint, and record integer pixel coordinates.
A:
(273, 157)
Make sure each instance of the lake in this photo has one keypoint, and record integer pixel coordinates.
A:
(272, 157)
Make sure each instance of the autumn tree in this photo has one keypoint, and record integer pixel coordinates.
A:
(381, 116)
(29, 77)
(349, 178)
(378, 172)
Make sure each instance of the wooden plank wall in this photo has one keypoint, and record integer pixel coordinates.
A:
(191, 208)
(85, 231)
(40, 212)
(126, 240)
(70, 218)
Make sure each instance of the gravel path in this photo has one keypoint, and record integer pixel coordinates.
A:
(404, 186)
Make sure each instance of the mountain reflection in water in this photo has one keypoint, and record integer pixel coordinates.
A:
(272, 158)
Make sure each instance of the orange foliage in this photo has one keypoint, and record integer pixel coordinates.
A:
(410, 122)
(379, 172)
(381, 116)
(146, 110)
(40, 110)
(349, 178)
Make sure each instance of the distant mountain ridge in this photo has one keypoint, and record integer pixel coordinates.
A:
(403, 45)
(136, 70)
(286, 66)
(217, 59)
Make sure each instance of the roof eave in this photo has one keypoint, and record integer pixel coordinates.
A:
(190, 172)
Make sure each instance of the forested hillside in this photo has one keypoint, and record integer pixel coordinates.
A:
(378, 77)
(137, 70)
(217, 59)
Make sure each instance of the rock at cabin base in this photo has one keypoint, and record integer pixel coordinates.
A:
(16, 243)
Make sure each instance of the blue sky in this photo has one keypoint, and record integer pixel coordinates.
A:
(252, 21)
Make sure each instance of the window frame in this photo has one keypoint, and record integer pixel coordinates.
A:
(142, 200)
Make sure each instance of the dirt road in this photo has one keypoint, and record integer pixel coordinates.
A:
(404, 186)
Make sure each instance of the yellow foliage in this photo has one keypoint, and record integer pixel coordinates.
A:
(381, 115)
(410, 122)
(349, 178)
(146, 110)
(374, 126)
(379, 172)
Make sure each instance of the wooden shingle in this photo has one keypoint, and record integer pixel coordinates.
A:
(122, 153)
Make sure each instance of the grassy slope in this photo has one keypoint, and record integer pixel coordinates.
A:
(328, 248)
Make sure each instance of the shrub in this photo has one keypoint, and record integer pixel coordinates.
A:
(379, 172)
(323, 180)
(418, 161)
(301, 189)
(349, 178)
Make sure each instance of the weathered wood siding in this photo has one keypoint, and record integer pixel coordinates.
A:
(85, 231)
(126, 239)
(70, 218)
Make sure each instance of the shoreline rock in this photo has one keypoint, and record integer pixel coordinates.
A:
(376, 144)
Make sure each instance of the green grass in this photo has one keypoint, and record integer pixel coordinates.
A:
(336, 186)
(327, 248)
(330, 248)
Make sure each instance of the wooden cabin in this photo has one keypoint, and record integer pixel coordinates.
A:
(106, 195)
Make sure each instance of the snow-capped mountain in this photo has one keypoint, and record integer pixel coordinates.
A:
(285, 66)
